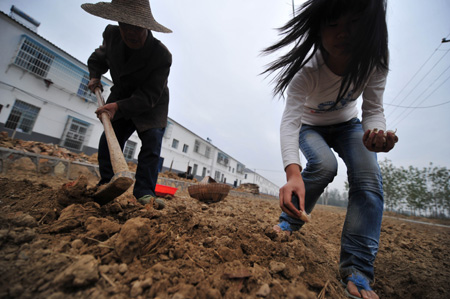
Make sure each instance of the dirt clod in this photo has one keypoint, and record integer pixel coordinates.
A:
(81, 273)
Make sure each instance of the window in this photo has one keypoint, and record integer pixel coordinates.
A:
(43, 62)
(194, 172)
(185, 148)
(222, 159)
(83, 91)
(160, 163)
(175, 143)
(71, 77)
(240, 168)
(75, 133)
(204, 172)
(197, 146)
(217, 176)
(168, 131)
(202, 149)
(34, 58)
(22, 117)
(129, 150)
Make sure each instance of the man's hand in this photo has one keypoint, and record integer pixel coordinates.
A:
(294, 185)
(378, 141)
(110, 109)
(94, 83)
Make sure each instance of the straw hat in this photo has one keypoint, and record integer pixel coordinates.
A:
(133, 12)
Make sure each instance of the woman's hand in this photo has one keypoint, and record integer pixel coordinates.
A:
(378, 141)
(294, 185)
(110, 109)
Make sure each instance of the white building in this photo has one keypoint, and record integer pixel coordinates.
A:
(44, 97)
(184, 150)
(265, 186)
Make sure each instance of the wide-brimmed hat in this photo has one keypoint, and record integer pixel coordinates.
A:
(133, 12)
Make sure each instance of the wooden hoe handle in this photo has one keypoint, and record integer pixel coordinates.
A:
(117, 159)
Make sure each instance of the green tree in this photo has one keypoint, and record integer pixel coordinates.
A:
(394, 181)
(416, 191)
(332, 197)
(421, 190)
(439, 189)
(336, 199)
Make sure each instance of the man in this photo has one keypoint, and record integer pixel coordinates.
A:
(139, 65)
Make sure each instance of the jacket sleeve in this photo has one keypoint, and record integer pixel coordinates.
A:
(150, 92)
(372, 105)
(97, 62)
(291, 122)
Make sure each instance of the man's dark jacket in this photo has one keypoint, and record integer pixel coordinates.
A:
(139, 76)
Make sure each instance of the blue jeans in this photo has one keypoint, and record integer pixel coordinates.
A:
(148, 158)
(361, 231)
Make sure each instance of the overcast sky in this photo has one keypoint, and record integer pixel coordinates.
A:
(217, 92)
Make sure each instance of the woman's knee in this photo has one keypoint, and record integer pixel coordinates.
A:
(366, 181)
(326, 170)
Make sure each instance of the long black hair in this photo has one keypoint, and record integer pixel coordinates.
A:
(369, 48)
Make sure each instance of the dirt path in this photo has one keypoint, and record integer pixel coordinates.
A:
(418, 222)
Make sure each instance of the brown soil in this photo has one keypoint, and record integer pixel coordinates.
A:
(55, 245)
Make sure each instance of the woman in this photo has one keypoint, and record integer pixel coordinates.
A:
(339, 52)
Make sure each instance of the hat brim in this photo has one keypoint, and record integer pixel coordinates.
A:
(124, 14)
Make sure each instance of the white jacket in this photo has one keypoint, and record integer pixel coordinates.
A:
(314, 90)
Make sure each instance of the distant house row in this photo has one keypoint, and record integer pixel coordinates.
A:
(44, 97)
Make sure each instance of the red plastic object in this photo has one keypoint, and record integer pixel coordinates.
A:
(162, 190)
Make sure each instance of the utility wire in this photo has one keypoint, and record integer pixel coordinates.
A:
(410, 80)
(423, 77)
(416, 73)
(410, 111)
(398, 119)
(417, 107)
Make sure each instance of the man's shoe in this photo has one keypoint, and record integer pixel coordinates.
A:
(157, 202)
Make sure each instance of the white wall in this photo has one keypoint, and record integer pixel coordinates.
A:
(56, 102)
